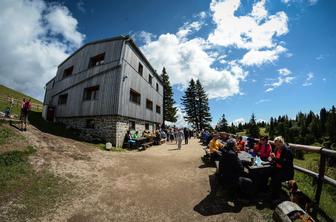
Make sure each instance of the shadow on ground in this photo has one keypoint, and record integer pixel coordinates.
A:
(220, 201)
(57, 129)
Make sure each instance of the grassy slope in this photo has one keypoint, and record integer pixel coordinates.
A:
(5, 91)
(27, 193)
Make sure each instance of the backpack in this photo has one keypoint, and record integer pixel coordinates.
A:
(26, 107)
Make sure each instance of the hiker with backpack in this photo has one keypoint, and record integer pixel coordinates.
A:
(25, 108)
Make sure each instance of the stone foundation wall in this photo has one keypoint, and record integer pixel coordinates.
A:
(106, 128)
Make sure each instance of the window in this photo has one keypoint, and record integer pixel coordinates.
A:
(97, 60)
(140, 69)
(157, 87)
(135, 97)
(158, 109)
(62, 99)
(90, 123)
(147, 126)
(67, 72)
(150, 79)
(132, 125)
(91, 93)
(149, 104)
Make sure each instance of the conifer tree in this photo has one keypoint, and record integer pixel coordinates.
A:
(195, 103)
(253, 130)
(190, 106)
(203, 106)
(222, 125)
(169, 111)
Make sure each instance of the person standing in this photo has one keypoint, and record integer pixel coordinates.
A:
(179, 138)
(283, 169)
(25, 107)
(186, 135)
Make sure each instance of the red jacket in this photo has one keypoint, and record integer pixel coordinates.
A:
(264, 150)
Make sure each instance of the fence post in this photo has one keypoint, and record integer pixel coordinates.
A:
(319, 182)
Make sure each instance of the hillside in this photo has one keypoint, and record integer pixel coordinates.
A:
(7, 93)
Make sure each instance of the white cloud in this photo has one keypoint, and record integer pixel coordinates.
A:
(254, 32)
(239, 120)
(187, 57)
(259, 57)
(262, 101)
(32, 44)
(80, 6)
(60, 21)
(310, 2)
(283, 78)
(180, 122)
(324, 79)
(308, 82)
(144, 37)
(188, 28)
(284, 72)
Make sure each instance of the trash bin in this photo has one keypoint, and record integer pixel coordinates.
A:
(288, 211)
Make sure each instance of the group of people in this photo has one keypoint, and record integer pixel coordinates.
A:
(171, 134)
(225, 149)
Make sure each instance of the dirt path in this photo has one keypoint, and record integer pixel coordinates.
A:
(159, 184)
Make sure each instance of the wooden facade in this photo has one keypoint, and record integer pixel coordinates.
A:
(96, 80)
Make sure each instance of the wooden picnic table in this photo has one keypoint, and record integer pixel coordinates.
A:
(259, 174)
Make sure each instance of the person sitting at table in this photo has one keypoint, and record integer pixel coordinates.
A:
(240, 144)
(128, 140)
(136, 135)
(224, 137)
(283, 169)
(214, 147)
(157, 137)
(231, 172)
(263, 149)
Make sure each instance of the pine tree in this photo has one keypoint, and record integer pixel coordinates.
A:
(271, 129)
(195, 103)
(253, 130)
(331, 124)
(222, 125)
(323, 120)
(203, 106)
(190, 106)
(169, 111)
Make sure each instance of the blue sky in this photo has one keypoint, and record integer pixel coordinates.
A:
(267, 57)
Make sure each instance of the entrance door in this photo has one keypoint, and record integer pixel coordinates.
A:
(50, 114)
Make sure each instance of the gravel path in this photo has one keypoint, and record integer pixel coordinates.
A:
(159, 184)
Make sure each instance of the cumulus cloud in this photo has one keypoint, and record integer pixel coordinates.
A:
(35, 37)
(309, 77)
(283, 78)
(239, 120)
(259, 57)
(187, 57)
(254, 32)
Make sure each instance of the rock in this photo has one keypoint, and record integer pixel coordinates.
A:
(108, 146)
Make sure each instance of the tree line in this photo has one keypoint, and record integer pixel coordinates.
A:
(306, 128)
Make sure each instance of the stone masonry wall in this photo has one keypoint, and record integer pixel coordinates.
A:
(106, 128)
